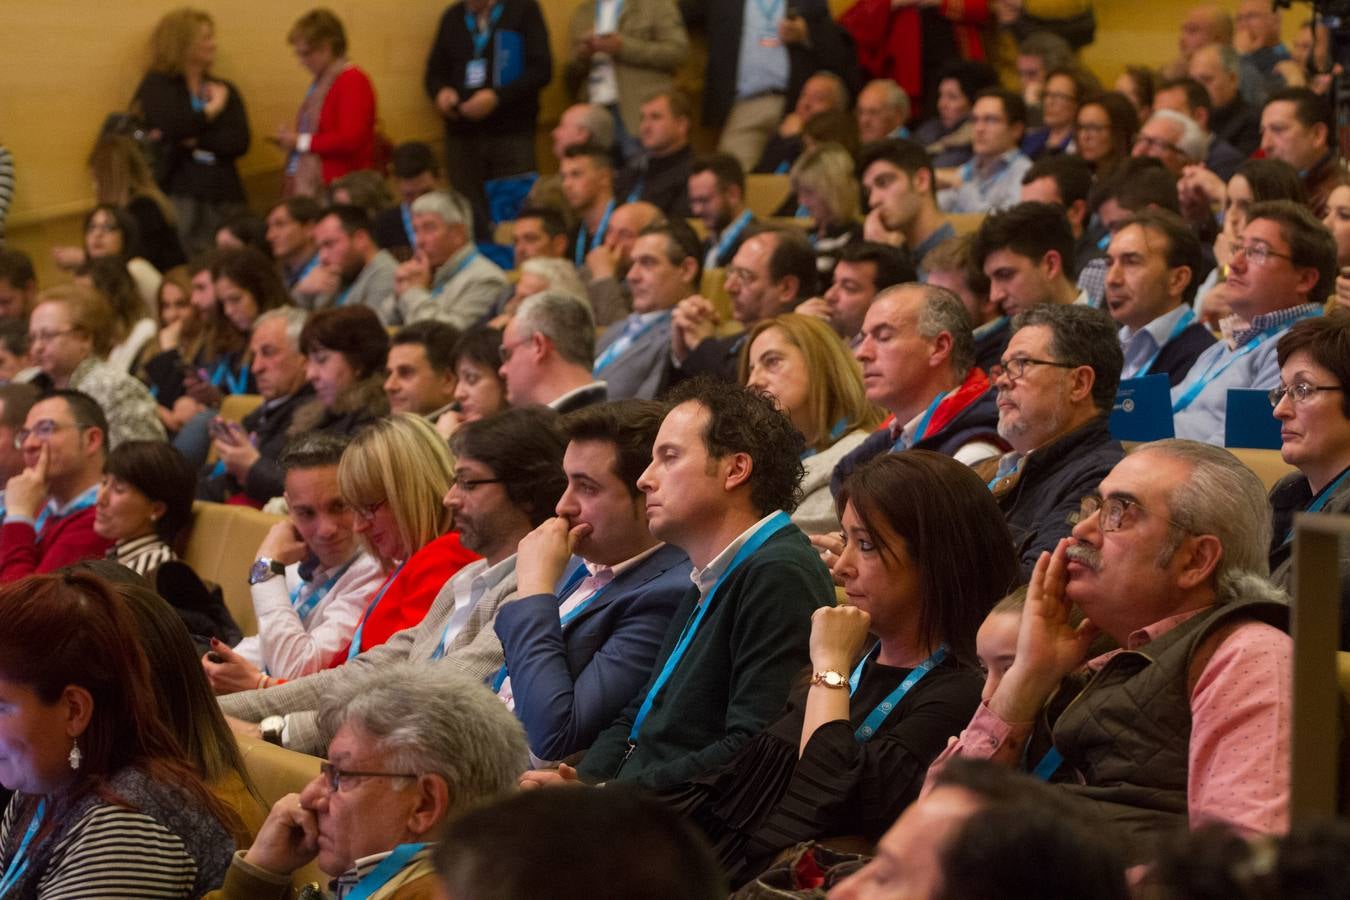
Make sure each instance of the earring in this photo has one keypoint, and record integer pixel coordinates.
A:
(75, 755)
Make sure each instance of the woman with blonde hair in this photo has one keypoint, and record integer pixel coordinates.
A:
(800, 362)
(201, 122)
(122, 178)
(826, 186)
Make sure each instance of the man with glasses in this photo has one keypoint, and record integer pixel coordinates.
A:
(411, 748)
(1173, 138)
(1056, 387)
(1188, 722)
(508, 478)
(49, 506)
(993, 179)
(1282, 270)
(548, 349)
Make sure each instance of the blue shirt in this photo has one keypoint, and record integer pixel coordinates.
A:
(763, 60)
(998, 188)
(1139, 346)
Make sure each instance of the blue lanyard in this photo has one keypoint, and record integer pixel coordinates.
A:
(1049, 764)
(305, 269)
(779, 521)
(303, 610)
(341, 299)
(234, 384)
(379, 876)
(1182, 324)
(596, 238)
(868, 729)
(1209, 374)
(625, 341)
(732, 234)
(836, 433)
(769, 10)
(459, 268)
(355, 647)
(578, 575)
(921, 430)
(406, 210)
(79, 504)
(636, 193)
(480, 39)
(19, 863)
(1321, 500)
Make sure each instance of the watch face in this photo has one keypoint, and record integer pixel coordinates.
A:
(261, 570)
(834, 679)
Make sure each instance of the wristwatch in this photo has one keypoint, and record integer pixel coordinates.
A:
(830, 678)
(271, 728)
(263, 569)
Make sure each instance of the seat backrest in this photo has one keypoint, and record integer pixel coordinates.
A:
(765, 193)
(277, 772)
(1268, 465)
(233, 407)
(222, 546)
(965, 223)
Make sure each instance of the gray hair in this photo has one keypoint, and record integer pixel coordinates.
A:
(448, 206)
(433, 720)
(943, 310)
(1194, 142)
(1222, 497)
(560, 274)
(563, 319)
(894, 94)
(598, 121)
(837, 85)
(1081, 336)
(294, 317)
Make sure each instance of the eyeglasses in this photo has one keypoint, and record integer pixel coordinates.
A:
(1016, 367)
(507, 349)
(1153, 143)
(1257, 254)
(46, 337)
(368, 511)
(1298, 392)
(1058, 95)
(468, 485)
(988, 120)
(1115, 512)
(335, 778)
(43, 431)
(1093, 127)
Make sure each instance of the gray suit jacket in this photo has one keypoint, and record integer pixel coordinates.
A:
(640, 371)
(475, 651)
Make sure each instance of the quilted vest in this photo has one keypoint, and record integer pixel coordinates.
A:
(1126, 734)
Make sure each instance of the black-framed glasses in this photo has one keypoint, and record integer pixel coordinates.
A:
(1116, 512)
(1257, 253)
(467, 485)
(1016, 367)
(1298, 392)
(43, 431)
(368, 511)
(1153, 143)
(336, 778)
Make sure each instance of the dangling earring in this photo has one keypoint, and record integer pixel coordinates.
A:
(75, 755)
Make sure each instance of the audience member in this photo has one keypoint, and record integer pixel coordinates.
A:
(538, 233)
(420, 374)
(1107, 124)
(447, 279)
(1232, 119)
(416, 172)
(1027, 254)
(490, 103)
(122, 179)
(507, 479)
(69, 332)
(587, 175)
(536, 276)
(345, 352)
(1337, 221)
(864, 269)
(607, 265)
(439, 746)
(1065, 181)
(1168, 559)
(239, 230)
(358, 271)
(334, 132)
(821, 94)
(990, 181)
(664, 270)
(16, 398)
(366, 189)
(144, 505)
(1173, 138)
(246, 286)
(479, 389)
(310, 613)
(898, 177)
(724, 476)
(660, 175)
(1282, 270)
(16, 366)
(823, 180)
(946, 136)
(717, 197)
(1217, 861)
(1258, 32)
(75, 670)
(1150, 285)
(801, 365)
(882, 110)
(548, 350)
(1189, 97)
(1138, 84)
(582, 638)
(1296, 128)
(580, 123)
(111, 233)
(1140, 183)
(18, 284)
(1038, 54)
(1056, 388)
(290, 235)
(1310, 402)
(1065, 88)
(133, 330)
(953, 266)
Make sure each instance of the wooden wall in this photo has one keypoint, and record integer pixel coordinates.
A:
(65, 64)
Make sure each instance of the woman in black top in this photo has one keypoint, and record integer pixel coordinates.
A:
(926, 555)
(122, 178)
(201, 124)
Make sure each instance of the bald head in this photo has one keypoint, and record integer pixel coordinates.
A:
(1216, 67)
(883, 106)
(1205, 24)
(625, 224)
(822, 92)
(1259, 23)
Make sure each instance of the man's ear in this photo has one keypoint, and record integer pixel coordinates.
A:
(739, 467)
(433, 804)
(1052, 265)
(1083, 381)
(1203, 552)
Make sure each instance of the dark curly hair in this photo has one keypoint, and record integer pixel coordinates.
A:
(524, 448)
(746, 421)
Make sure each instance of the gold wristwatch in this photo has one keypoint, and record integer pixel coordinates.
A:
(830, 679)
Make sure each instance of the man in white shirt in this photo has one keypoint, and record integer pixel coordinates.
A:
(309, 614)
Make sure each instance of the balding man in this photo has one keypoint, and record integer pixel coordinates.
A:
(823, 92)
(580, 123)
(882, 111)
(1258, 33)
(1204, 24)
(607, 265)
(447, 279)
(1218, 68)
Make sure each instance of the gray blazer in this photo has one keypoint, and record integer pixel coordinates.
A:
(641, 370)
(475, 651)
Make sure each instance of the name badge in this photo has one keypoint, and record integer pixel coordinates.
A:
(770, 41)
(475, 73)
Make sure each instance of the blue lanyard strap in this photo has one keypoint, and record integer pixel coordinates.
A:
(1048, 765)
(18, 864)
(779, 521)
(636, 193)
(625, 341)
(618, 11)
(1321, 500)
(868, 729)
(379, 876)
(406, 210)
(79, 504)
(480, 39)
(578, 575)
(921, 431)
(1209, 374)
(355, 647)
(595, 239)
(732, 234)
(463, 264)
(304, 609)
(1182, 324)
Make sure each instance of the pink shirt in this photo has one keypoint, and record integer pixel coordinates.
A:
(1241, 708)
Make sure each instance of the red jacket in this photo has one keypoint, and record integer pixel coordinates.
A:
(889, 41)
(345, 139)
(64, 541)
(407, 600)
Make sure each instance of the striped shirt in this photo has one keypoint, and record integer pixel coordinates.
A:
(142, 555)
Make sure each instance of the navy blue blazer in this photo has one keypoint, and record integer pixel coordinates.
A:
(571, 683)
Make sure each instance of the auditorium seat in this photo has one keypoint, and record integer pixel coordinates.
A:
(277, 772)
(765, 193)
(233, 407)
(223, 544)
(1268, 465)
(965, 223)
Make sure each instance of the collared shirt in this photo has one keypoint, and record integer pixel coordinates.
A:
(1092, 281)
(141, 555)
(987, 188)
(55, 510)
(1238, 761)
(469, 585)
(706, 577)
(763, 65)
(561, 400)
(943, 232)
(1139, 346)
